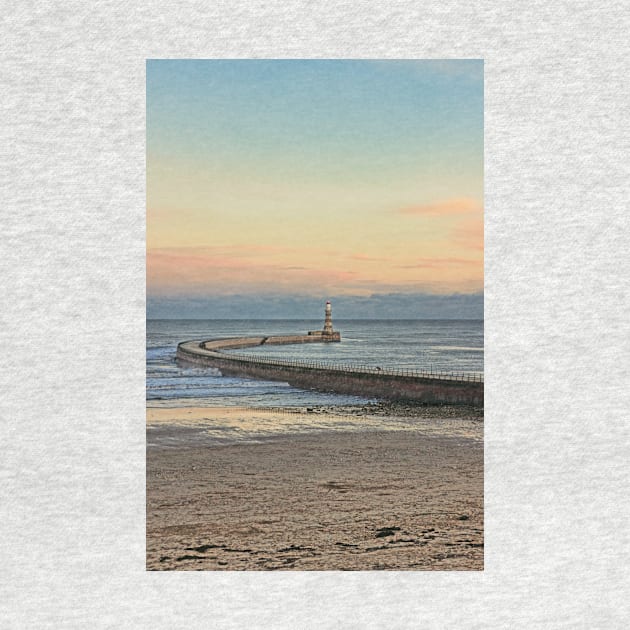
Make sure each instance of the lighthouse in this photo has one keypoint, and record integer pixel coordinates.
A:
(328, 334)
(328, 329)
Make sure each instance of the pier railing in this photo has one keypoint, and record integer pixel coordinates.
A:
(355, 368)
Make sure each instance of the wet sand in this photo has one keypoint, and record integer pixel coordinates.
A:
(332, 500)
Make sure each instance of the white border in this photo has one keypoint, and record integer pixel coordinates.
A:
(72, 170)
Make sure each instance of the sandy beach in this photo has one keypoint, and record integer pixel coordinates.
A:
(406, 494)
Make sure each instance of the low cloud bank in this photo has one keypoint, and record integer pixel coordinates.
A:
(379, 306)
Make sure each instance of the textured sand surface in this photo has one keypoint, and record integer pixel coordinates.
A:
(336, 500)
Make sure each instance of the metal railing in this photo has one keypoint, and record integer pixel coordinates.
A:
(353, 368)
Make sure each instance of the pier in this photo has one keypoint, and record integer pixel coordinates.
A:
(359, 380)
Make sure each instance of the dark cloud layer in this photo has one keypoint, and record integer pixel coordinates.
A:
(381, 306)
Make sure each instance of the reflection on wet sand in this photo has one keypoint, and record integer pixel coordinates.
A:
(196, 426)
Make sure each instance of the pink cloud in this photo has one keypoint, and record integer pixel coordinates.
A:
(434, 263)
(368, 258)
(223, 270)
(244, 250)
(203, 268)
(469, 234)
(449, 207)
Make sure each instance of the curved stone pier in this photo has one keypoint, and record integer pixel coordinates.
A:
(369, 382)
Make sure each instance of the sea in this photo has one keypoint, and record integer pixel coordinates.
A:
(435, 345)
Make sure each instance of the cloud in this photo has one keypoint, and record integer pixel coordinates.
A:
(230, 251)
(412, 305)
(469, 234)
(367, 258)
(449, 207)
(211, 270)
(222, 270)
(436, 263)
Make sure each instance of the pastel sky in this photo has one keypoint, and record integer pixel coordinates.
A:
(314, 177)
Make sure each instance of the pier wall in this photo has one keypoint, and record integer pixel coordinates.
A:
(347, 380)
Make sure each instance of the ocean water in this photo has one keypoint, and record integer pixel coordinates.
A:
(438, 345)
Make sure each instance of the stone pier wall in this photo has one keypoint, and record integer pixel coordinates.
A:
(357, 381)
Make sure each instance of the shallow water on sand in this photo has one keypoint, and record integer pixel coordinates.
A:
(190, 426)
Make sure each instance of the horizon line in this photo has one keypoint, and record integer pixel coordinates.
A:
(301, 319)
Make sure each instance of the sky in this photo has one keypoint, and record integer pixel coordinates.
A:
(283, 180)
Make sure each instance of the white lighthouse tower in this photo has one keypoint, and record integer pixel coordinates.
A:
(328, 334)
(328, 329)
